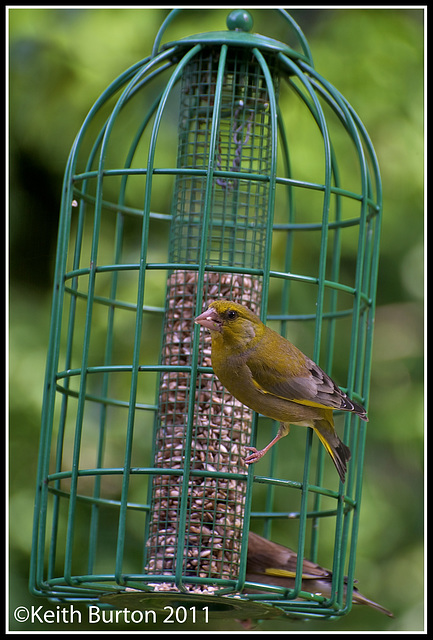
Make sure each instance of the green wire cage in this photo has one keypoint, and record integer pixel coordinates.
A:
(272, 198)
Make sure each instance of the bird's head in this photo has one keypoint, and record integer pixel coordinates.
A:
(233, 322)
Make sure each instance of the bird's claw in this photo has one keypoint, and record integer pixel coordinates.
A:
(254, 456)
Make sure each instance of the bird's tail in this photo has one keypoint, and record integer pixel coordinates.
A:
(351, 405)
(339, 452)
(360, 599)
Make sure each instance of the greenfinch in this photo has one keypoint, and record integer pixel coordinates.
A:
(270, 375)
(274, 564)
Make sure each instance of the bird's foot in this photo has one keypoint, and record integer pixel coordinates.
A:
(254, 456)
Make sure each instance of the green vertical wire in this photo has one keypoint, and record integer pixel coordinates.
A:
(139, 317)
(375, 252)
(128, 163)
(320, 459)
(363, 345)
(285, 296)
(59, 289)
(179, 70)
(67, 203)
(240, 68)
(275, 121)
(206, 214)
(272, 179)
(93, 537)
(47, 418)
(83, 380)
(64, 401)
(355, 334)
(302, 39)
(338, 566)
(273, 107)
(40, 508)
(337, 569)
(86, 344)
(351, 127)
(250, 471)
(173, 13)
(247, 515)
(86, 339)
(335, 270)
(319, 313)
(153, 451)
(136, 354)
(270, 489)
(76, 264)
(341, 110)
(121, 202)
(265, 286)
(94, 517)
(373, 289)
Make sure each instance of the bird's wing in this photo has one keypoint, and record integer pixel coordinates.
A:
(267, 565)
(273, 559)
(310, 386)
(307, 574)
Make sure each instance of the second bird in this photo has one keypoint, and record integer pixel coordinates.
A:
(270, 375)
(273, 564)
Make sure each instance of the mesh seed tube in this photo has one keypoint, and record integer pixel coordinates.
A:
(222, 219)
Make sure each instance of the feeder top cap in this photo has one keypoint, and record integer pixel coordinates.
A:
(239, 24)
(239, 20)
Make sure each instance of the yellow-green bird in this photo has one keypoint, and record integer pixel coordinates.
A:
(270, 375)
(274, 564)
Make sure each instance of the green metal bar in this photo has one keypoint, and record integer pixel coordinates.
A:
(320, 119)
(93, 543)
(272, 177)
(273, 107)
(62, 255)
(91, 288)
(116, 207)
(173, 13)
(40, 508)
(206, 212)
(103, 502)
(302, 39)
(62, 418)
(226, 269)
(83, 382)
(106, 400)
(352, 128)
(112, 301)
(139, 319)
(187, 171)
(54, 345)
(332, 315)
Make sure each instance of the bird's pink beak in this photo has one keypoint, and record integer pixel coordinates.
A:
(210, 320)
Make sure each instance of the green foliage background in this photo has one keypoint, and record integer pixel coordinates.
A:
(60, 60)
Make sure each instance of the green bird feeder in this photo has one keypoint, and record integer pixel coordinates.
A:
(221, 166)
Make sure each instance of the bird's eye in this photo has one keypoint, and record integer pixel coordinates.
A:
(231, 314)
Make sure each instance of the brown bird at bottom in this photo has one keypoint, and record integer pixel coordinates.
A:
(274, 564)
(270, 375)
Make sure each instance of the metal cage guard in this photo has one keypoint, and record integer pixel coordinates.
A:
(240, 212)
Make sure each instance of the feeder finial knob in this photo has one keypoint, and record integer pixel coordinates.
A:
(239, 19)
